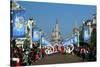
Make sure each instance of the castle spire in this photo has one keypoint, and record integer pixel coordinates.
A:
(56, 33)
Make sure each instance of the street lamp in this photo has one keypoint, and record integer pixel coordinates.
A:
(30, 25)
(40, 36)
(78, 37)
(41, 33)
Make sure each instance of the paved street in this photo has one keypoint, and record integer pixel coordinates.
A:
(58, 58)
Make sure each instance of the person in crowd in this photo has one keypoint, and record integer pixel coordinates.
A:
(88, 53)
(43, 52)
(92, 56)
(37, 56)
(83, 53)
(77, 51)
(94, 53)
(31, 56)
(62, 49)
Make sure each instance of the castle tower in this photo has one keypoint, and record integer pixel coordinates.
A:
(56, 36)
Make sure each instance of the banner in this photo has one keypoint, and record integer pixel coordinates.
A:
(87, 34)
(17, 21)
(18, 27)
(35, 35)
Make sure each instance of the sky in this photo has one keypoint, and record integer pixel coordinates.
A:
(45, 15)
